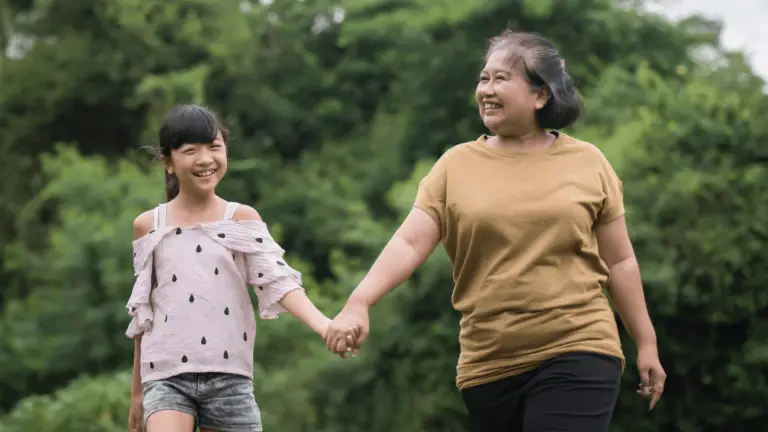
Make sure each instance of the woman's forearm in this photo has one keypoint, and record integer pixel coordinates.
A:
(626, 291)
(136, 388)
(395, 265)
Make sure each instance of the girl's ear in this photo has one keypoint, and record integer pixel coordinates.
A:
(168, 164)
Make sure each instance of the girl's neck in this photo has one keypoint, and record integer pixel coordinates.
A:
(188, 209)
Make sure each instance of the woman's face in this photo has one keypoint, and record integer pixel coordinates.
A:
(199, 166)
(505, 99)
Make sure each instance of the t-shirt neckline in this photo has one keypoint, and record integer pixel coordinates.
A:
(482, 144)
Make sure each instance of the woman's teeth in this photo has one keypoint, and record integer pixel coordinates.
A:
(204, 173)
(488, 105)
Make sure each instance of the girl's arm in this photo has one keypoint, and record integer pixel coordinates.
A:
(296, 301)
(299, 305)
(625, 289)
(136, 388)
(142, 225)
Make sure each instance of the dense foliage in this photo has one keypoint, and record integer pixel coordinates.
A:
(337, 109)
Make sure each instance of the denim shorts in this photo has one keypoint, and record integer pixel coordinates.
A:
(219, 401)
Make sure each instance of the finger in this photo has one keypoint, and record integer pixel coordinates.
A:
(328, 337)
(354, 331)
(645, 378)
(360, 339)
(342, 348)
(338, 341)
(654, 399)
(350, 343)
(333, 339)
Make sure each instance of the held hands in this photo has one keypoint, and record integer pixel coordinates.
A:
(347, 332)
(652, 375)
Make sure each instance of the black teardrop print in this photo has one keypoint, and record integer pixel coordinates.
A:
(191, 298)
(134, 254)
(133, 309)
(216, 272)
(226, 355)
(151, 365)
(174, 278)
(183, 359)
(202, 341)
(166, 318)
(261, 287)
(260, 240)
(233, 257)
(280, 263)
(199, 249)
(245, 336)
(152, 231)
(222, 235)
(226, 311)
(178, 231)
(261, 274)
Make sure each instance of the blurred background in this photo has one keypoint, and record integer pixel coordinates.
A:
(337, 108)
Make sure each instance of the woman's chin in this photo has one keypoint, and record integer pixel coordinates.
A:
(492, 124)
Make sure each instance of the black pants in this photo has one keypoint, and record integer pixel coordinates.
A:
(570, 393)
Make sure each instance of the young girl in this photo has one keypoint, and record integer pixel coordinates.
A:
(193, 321)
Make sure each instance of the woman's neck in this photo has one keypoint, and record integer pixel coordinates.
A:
(531, 141)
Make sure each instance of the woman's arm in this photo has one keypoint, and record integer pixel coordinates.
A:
(408, 248)
(625, 288)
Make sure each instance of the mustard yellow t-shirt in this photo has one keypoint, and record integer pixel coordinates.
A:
(519, 228)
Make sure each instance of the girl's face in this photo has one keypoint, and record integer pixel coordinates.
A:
(199, 166)
(506, 102)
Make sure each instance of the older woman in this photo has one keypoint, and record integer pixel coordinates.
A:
(533, 222)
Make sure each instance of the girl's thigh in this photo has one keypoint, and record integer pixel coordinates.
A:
(227, 404)
(169, 404)
(170, 421)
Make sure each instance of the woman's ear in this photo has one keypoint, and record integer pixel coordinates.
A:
(542, 97)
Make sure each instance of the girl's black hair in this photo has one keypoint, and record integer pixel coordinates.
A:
(186, 124)
(542, 66)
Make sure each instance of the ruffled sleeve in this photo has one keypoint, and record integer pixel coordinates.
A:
(138, 305)
(268, 273)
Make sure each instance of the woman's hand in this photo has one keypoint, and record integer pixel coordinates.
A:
(136, 414)
(353, 318)
(652, 375)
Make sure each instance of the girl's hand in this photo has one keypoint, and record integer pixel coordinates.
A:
(652, 375)
(136, 414)
(346, 343)
(353, 318)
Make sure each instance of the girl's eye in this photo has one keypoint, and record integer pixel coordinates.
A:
(483, 79)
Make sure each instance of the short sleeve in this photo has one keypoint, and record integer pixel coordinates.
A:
(267, 271)
(613, 203)
(432, 190)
